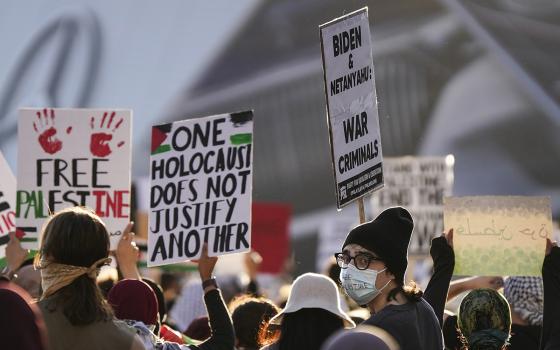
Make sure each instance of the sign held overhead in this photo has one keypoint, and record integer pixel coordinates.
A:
(73, 157)
(201, 181)
(351, 106)
(498, 235)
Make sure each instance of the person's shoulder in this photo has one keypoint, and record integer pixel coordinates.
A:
(424, 304)
(137, 344)
(47, 303)
(426, 309)
(269, 347)
(401, 314)
(124, 326)
(388, 315)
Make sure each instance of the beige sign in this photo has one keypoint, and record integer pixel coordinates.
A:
(496, 235)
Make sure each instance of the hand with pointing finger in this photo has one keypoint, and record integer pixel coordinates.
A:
(127, 254)
(15, 254)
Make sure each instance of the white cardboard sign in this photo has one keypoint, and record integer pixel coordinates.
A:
(201, 182)
(7, 203)
(351, 106)
(69, 157)
(419, 184)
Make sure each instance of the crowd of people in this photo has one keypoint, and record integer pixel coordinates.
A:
(57, 299)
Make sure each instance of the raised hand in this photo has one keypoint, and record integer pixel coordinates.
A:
(549, 245)
(127, 254)
(206, 264)
(100, 140)
(252, 262)
(449, 237)
(45, 127)
(15, 254)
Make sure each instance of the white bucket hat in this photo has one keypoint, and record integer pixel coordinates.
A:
(312, 290)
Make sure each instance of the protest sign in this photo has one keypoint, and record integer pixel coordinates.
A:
(351, 106)
(201, 182)
(419, 184)
(498, 236)
(332, 234)
(270, 232)
(70, 157)
(7, 204)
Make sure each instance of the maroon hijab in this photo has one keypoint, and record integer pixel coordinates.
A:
(134, 300)
(21, 323)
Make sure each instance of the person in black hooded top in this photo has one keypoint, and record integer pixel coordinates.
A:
(373, 262)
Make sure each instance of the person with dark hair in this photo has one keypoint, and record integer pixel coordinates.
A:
(170, 284)
(311, 315)
(21, 323)
(198, 330)
(74, 246)
(373, 260)
(158, 292)
(249, 315)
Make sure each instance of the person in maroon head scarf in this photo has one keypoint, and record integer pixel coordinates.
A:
(21, 323)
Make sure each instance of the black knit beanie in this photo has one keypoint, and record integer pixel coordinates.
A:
(388, 236)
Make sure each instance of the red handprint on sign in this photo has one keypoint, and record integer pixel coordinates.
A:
(99, 143)
(44, 126)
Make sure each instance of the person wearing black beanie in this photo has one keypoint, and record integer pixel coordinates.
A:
(373, 263)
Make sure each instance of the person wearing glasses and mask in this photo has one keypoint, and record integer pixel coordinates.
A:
(373, 262)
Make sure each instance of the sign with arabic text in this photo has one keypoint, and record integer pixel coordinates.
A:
(498, 235)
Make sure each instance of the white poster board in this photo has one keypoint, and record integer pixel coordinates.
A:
(499, 235)
(419, 184)
(201, 184)
(7, 204)
(351, 106)
(69, 157)
(332, 234)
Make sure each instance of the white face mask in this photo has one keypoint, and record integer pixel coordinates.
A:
(360, 284)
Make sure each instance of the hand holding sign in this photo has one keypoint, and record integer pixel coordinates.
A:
(127, 253)
(449, 237)
(206, 265)
(252, 261)
(15, 254)
(549, 245)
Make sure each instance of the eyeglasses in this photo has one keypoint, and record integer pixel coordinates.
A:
(361, 260)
